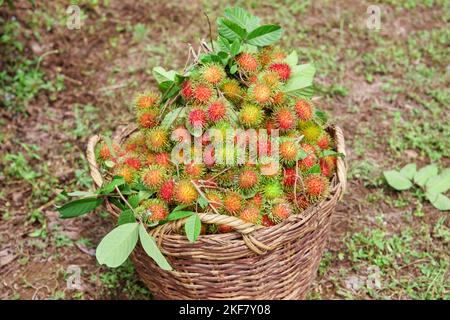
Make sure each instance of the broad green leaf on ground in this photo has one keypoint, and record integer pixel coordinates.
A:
(172, 116)
(302, 77)
(292, 59)
(230, 30)
(192, 227)
(115, 182)
(421, 177)
(150, 247)
(409, 171)
(242, 17)
(265, 35)
(79, 207)
(175, 215)
(439, 183)
(161, 75)
(126, 216)
(396, 180)
(117, 245)
(438, 200)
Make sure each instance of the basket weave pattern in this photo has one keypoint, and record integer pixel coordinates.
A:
(254, 262)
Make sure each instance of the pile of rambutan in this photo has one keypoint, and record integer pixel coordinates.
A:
(247, 89)
(250, 91)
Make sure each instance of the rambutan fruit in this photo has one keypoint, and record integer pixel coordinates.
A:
(269, 166)
(226, 176)
(304, 110)
(299, 200)
(250, 115)
(194, 170)
(223, 228)
(251, 214)
(148, 118)
(278, 54)
(312, 132)
(282, 69)
(310, 159)
(214, 199)
(185, 192)
(163, 159)
(316, 185)
(247, 62)
(217, 111)
(128, 174)
(202, 93)
(324, 141)
(153, 177)
(197, 118)
(327, 165)
(232, 202)
(280, 210)
(155, 210)
(289, 151)
(212, 73)
(278, 98)
(284, 118)
(133, 162)
(252, 79)
(186, 90)
(257, 200)
(166, 190)
(289, 177)
(248, 179)
(157, 139)
(272, 189)
(260, 93)
(147, 100)
(266, 222)
(104, 152)
(231, 90)
(265, 56)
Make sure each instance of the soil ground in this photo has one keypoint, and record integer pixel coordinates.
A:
(388, 89)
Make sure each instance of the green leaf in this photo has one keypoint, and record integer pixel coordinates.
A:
(78, 207)
(116, 182)
(109, 164)
(438, 200)
(170, 118)
(233, 69)
(439, 183)
(235, 47)
(265, 35)
(230, 30)
(192, 227)
(161, 75)
(133, 200)
(126, 216)
(409, 171)
(292, 59)
(176, 215)
(396, 180)
(322, 116)
(224, 44)
(82, 194)
(242, 18)
(315, 169)
(150, 247)
(421, 177)
(180, 207)
(302, 154)
(117, 245)
(333, 153)
(203, 202)
(302, 77)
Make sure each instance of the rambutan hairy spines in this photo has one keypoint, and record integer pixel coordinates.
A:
(157, 139)
(251, 214)
(104, 152)
(212, 73)
(284, 118)
(214, 199)
(153, 210)
(147, 100)
(282, 69)
(289, 151)
(316, 185)
(272, 189)
(232, 90)
(166, 191)
(310, 159)
(251, 115)
(194, 170)
(127, 173)
(197, 117)
(185, 192)
(133, 162)
(324, 142)
(280, 210)
(304, 110)
(248, 179)
(147, 118)
(186, 90)
(202, 93)
(247, 62)
(153, 177)
(289, 177)
(232, 202)
(217, 110)
(260, 93)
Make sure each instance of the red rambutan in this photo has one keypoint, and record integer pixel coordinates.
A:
(186, 90)
(316, 185)
(283, 70)
(202, 93)
(247, 62)
(133, 162)
(166, 190)
(197, 118)
(148, 118)
(251, 215)
(304, 110)
(153, 177)
(285, 119)
(232, 202)
(217, 111)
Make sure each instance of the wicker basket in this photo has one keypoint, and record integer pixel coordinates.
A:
(254, 262)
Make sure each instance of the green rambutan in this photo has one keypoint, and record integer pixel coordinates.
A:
(304, 110)
(147, 118)
(272, 189)
(185, 192)
(232, 90)
(251, 214)
(250, 115)
(153, 177)
(316, 185)
(247, 62)
(157, 139)
(282, 69)
(212, 73)
(217, 110)
(312, 132)
(232, 202)
(284, 118)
